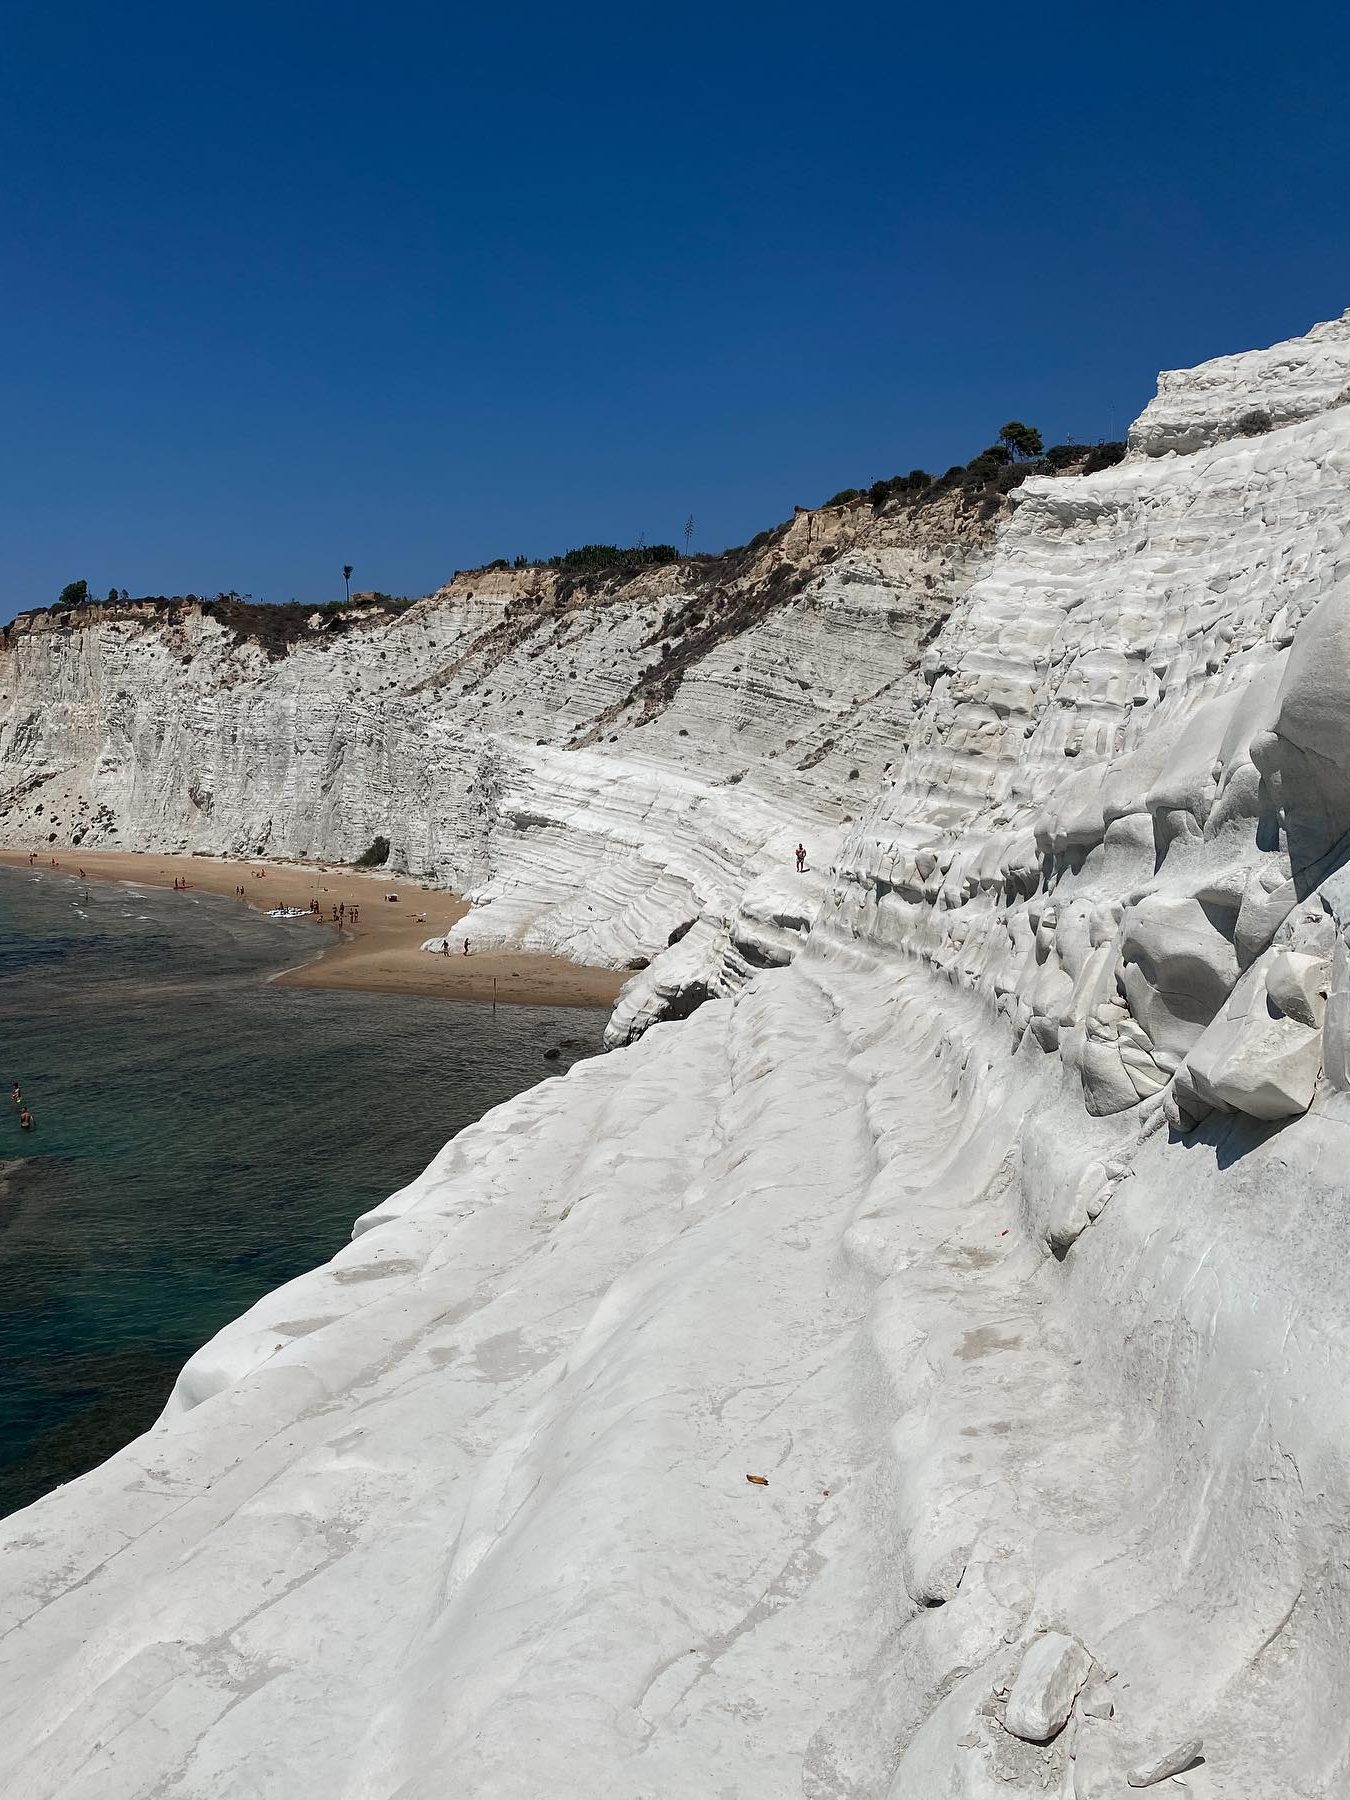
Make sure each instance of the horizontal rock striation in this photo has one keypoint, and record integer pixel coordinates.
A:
(1247, 394)
(919, 1373)
(597, 763)
(1124, 810)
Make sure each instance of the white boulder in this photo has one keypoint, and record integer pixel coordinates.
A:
(1048, 1682)
(1255, 1058)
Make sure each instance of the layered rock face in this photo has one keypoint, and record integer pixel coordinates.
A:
(599, 765)
(919, 1374)
(1125, 806)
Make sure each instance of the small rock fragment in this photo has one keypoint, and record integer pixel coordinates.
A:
(1183, 1757)
(1096, 1703)
(758, 1480)
(1047, 1684)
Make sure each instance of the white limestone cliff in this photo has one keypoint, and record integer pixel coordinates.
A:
(999, 1237)
(596, 764)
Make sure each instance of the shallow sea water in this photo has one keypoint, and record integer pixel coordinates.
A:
(202, 1135)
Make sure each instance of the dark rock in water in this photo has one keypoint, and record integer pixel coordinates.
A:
(553, 1054)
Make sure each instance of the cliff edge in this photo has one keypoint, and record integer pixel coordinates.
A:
(919, 1373)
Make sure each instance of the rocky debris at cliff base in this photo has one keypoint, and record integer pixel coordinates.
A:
(1048, 1681)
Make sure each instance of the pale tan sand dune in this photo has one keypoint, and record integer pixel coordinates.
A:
(382, 952)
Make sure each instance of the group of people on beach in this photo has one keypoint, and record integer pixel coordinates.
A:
(25, 1116)
(342, 914)
(32, 858)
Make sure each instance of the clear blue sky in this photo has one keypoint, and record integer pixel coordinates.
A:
(409, 286)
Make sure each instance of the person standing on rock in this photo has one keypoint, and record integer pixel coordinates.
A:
(801, 858)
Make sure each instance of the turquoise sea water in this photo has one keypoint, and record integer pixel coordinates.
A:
(202, 1135)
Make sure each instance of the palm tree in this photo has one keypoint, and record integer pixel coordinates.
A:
(347, 581)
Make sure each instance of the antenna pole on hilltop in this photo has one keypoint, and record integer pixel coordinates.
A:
(688, 532)
(347, 581)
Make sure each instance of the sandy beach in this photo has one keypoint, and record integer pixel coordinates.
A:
(381, 952)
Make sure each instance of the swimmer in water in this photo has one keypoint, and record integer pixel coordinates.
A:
(26, 1120)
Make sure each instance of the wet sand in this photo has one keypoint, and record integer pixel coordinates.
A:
(381, 952)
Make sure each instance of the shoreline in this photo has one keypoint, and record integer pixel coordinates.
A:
(381, 953)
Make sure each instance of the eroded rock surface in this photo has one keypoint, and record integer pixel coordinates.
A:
(1002, 1232)
(596, 764)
